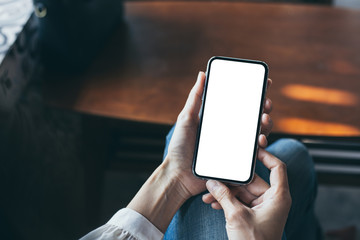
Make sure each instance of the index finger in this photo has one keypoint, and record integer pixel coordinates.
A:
(278, 173)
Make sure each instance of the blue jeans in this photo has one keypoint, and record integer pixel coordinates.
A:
(197, 220)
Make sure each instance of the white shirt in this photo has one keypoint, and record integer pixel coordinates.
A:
(126, 224)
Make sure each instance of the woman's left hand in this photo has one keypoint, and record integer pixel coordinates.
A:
(182, 145)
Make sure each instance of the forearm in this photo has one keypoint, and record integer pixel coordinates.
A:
(160, 197)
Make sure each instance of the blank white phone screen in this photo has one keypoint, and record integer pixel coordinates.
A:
(230, 119)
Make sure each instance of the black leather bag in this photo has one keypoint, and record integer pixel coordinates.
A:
(71, 32)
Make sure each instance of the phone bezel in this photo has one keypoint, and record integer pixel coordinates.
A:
(263, 94)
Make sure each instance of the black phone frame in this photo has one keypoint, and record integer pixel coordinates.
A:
(263, 94)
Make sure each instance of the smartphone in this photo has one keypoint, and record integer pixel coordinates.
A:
(230, 117)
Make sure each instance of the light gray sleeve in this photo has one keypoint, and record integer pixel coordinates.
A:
(126, 224)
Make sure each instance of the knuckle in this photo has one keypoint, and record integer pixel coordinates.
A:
(222, 193)
(180, 116)
(184, 117)
(187, 118)
(282, 166)
(236, 214)
(233, 216)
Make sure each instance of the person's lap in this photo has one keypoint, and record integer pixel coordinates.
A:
(197, 220)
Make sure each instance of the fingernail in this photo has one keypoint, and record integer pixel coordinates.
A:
(267, 118)
(212, 185)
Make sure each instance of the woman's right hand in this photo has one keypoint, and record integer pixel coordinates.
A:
(257, 210)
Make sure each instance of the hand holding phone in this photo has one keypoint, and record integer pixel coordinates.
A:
(265, 207)
(227, 138)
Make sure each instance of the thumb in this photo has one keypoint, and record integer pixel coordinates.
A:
(223, 196)
(194, 101)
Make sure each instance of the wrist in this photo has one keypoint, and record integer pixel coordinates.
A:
(178, 177)
(160, 197)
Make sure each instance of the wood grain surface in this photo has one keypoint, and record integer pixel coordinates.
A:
(146, 71)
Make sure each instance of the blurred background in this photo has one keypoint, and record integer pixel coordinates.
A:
(89, 90)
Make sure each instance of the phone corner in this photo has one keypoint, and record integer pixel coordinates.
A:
(266, 67)
(213, 58)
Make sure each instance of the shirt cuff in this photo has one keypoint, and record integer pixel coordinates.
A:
(136, 224)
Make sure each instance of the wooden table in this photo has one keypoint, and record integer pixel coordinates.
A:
(145, 74)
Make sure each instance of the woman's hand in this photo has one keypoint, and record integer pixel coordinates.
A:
(254, 211)
(181, 148)
(172, 183)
